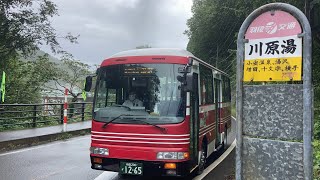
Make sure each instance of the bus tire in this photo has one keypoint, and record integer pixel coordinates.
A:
(203, 158)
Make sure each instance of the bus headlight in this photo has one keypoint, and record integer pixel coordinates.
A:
(172, 155)
(101, 151)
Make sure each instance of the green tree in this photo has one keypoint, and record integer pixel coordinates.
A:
(72, 74)
(213, 28)
(316, 82)
(24, 26)
(25, 80)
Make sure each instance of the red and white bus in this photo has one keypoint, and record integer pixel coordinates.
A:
(185, 116)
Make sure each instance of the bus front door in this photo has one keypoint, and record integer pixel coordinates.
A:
(217, 102)
(194, 123)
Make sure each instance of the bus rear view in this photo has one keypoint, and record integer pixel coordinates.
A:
(142, 114)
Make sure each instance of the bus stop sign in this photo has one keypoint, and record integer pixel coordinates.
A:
(274, 120)
(274, 50)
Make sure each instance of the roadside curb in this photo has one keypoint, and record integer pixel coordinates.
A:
(37, 140)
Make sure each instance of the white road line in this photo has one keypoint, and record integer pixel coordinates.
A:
(217, 162)
(41, 146)
(107, 175)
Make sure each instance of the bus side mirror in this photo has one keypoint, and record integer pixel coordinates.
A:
(190, 61)
(185, 69)
(88, 83)
(98, 70)
(188, 87)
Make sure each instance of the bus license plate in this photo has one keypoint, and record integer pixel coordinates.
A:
(132, 168)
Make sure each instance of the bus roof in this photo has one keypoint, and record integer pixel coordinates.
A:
(162, 52)
(154, 51)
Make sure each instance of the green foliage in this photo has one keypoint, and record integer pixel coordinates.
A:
(316, 83)
(26, 24)
(316, 159)
(71, 75)
(25, 80)
(316, 144)
(213, 29)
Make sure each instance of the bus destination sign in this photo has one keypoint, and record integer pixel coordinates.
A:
(138, 70)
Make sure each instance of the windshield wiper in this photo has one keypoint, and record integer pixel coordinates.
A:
(145, 122)
(119, 105)
(105, 125)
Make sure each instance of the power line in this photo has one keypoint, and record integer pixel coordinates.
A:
(229, 67)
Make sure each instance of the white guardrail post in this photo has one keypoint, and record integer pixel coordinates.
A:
(65, 110)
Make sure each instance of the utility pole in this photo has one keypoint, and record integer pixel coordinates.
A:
(217, 58)
(307, 9)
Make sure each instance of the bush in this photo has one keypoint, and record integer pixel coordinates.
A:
(316, 143)
(316, 159)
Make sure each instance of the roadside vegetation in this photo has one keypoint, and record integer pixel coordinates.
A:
(32, 75)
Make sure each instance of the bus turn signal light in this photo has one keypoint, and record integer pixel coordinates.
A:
(186, 155)
(170, 166)
(97, 160)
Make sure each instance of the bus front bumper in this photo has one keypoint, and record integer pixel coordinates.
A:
(150, 168)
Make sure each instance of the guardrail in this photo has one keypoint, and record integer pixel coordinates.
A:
(18, 116)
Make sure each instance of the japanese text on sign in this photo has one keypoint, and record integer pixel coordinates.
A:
(273, 59)
(272, 27)
(274, 47)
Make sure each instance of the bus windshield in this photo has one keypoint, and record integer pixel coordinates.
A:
(148, 92)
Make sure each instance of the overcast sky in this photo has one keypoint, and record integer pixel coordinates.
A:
(110, 26)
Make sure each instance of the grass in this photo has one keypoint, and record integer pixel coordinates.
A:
(233, 112)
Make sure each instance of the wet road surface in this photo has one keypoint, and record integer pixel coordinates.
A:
(58, 160)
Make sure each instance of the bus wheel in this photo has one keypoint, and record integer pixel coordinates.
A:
(203, 158)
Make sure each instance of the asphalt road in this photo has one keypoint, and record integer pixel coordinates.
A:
(226, 169)
(59, 160)
(67, 160)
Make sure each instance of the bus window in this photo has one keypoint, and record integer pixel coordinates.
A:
(206, 85)
(156, 85)
(226, 89)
